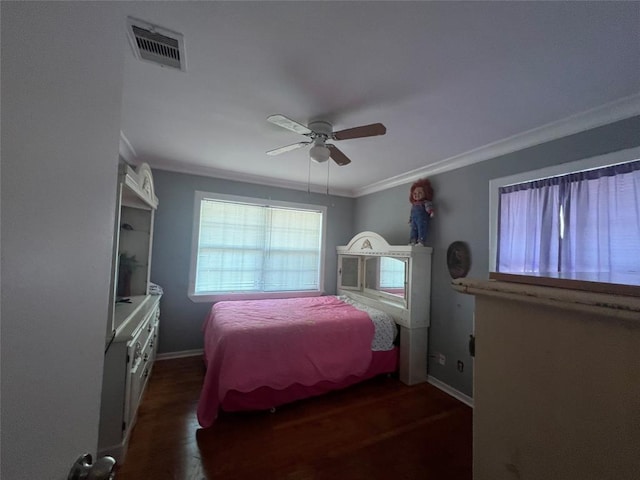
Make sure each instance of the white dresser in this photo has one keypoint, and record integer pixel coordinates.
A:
(132, 333)
(127, 367)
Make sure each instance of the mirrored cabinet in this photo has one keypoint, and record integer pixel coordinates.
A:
(132, 330)
(349, 272)
(397, 280)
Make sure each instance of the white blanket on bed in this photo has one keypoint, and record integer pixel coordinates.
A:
(385, 326)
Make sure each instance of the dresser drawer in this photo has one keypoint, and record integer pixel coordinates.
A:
(139, 374)
(141, 354)
(142, 335)
(153, 344)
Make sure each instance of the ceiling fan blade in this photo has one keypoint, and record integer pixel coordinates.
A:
(289, 124)
(359, 132)
(287, 148)
(337, 156)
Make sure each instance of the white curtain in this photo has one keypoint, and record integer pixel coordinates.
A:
(581, 222)
(603, 224)
(529, 228)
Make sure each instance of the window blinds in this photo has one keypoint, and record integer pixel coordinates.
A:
(245, 248)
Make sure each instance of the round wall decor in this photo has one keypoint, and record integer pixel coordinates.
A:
(458, 259)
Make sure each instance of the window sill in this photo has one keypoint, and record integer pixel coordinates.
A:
(603, 305)
(596, 282)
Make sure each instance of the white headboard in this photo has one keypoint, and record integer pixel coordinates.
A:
(373, 244)
(411, 312)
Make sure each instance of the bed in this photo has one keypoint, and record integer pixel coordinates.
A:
(260, 354)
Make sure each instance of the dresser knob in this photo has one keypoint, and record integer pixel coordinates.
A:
(137, 352)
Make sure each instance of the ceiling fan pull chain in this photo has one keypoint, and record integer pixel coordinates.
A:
(328, 167)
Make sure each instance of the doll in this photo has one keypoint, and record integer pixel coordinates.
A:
(420, 196)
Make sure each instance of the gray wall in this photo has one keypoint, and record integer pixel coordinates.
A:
(181, 319)
(461, 201)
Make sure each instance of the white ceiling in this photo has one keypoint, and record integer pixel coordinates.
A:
(445, 78)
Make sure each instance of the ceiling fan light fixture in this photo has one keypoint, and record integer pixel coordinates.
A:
(318, 133)
(319, 153)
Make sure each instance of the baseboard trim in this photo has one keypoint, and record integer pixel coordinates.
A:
(182, 354)
(458, 395)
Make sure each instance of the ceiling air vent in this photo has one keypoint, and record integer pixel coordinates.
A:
(156, 44)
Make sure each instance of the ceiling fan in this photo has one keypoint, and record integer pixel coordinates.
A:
(318, 133)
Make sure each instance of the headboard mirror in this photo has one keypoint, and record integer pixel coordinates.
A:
(386, 276)
(376, 276)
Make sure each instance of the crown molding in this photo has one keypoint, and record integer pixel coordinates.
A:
(126, 151)
(129, 155)
(254, 179)
(605, 114)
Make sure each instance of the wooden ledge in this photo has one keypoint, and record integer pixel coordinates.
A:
(597, 282)
(620, 306)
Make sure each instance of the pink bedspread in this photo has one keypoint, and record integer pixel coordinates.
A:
(276, 343)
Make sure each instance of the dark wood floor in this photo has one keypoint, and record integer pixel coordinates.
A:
(380, 429)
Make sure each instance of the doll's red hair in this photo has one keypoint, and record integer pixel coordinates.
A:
(426, 186)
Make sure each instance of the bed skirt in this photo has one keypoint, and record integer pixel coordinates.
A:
(265, 398)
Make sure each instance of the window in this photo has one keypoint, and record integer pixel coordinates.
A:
(582, 217)
(250, 248)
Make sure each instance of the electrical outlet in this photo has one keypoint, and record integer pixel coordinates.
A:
(441, 359)
(460, 366)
